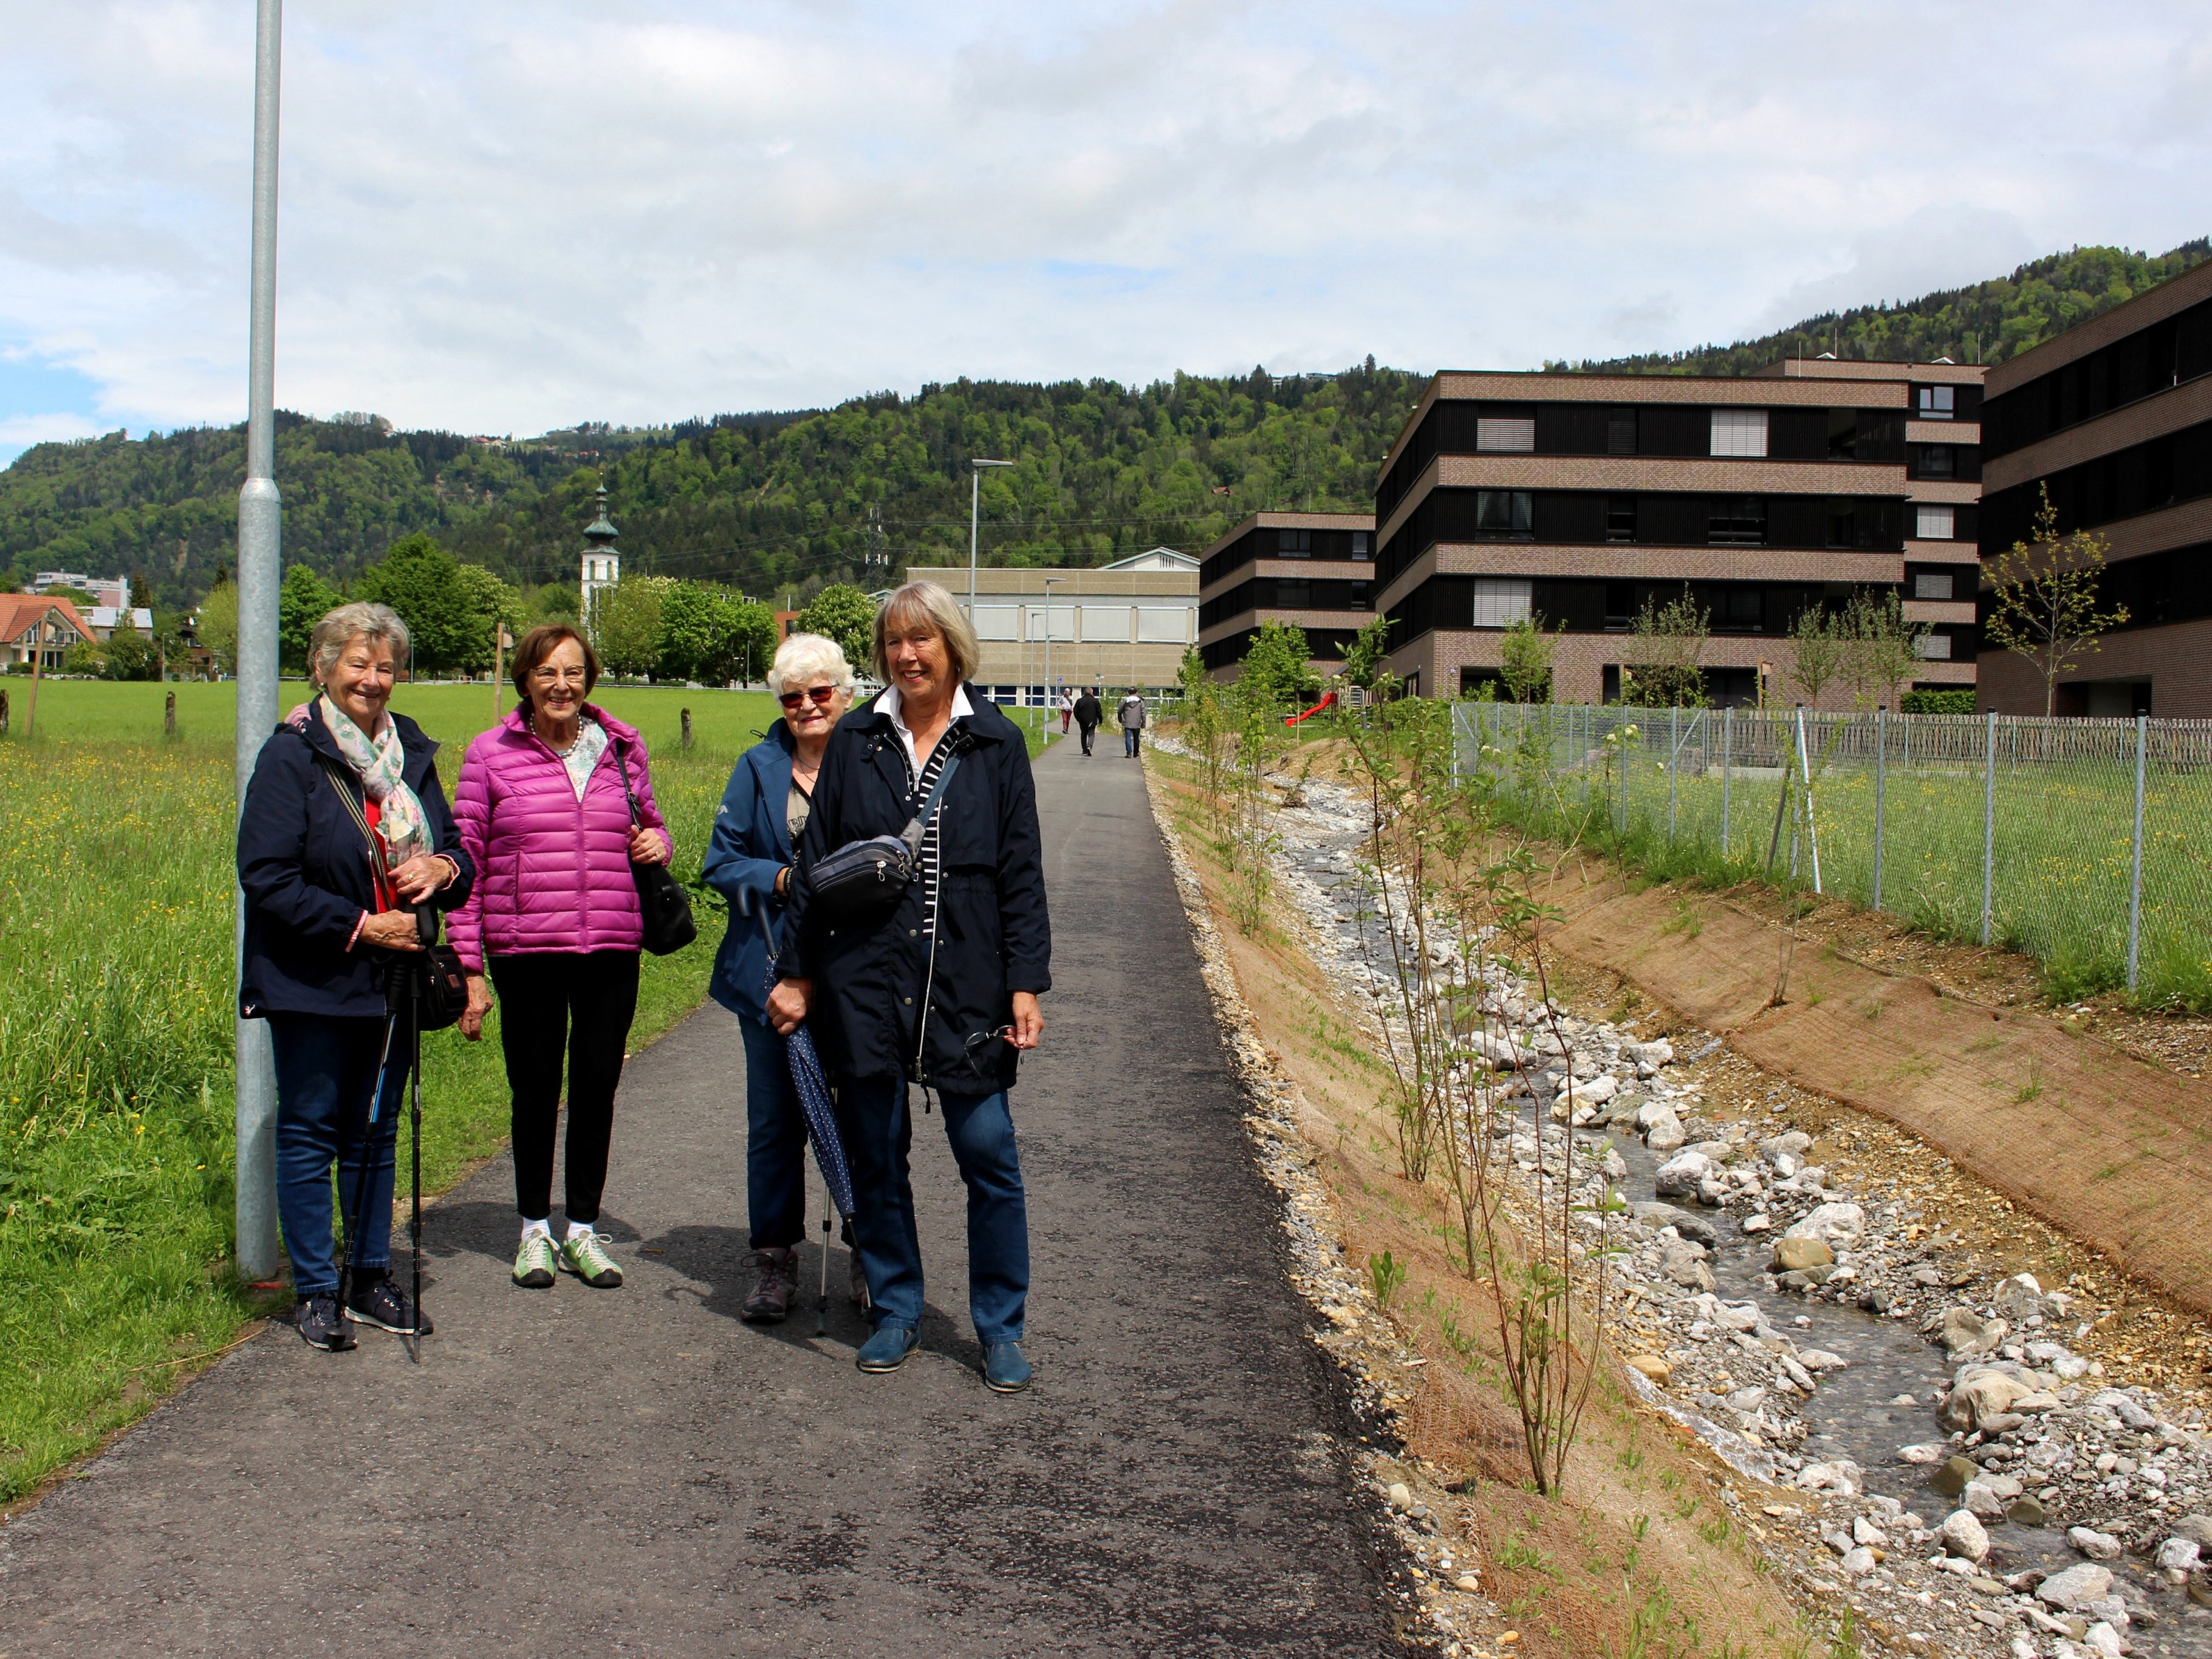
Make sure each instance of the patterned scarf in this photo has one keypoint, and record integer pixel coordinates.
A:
(377, 761)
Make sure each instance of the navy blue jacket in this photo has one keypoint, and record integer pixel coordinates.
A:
(306, 874)
(750, 844)
(872, 982)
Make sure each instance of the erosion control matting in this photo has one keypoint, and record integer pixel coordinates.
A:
(2116, 1153)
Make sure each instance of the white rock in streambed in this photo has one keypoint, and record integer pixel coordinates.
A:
(2097, 1546)
(1963, 1535)
(1837, 1225)
(1678, 1178)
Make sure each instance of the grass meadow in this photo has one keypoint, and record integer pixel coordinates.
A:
(116, 1018)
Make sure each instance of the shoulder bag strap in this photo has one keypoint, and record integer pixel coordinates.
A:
(622, 765)
(372, 843)
(912, 833)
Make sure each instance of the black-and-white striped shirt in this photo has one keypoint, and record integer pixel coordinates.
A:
(919, 780)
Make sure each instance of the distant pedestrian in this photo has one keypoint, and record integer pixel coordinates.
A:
(343, 829)
(556, 805)
(1090, 716)
(1066, 709)
(1132, 716)
(940, 989)
(750, 863)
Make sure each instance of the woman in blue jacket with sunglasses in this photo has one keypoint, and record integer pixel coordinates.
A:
(750, 862)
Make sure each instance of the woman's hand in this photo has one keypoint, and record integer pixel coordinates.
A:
(1029, 1021)
(647, 846)
(788, 1005)
(393, 930)
(420, 877)
(471, 1021)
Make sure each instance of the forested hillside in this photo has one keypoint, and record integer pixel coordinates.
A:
(782, 503)
(1984, 324)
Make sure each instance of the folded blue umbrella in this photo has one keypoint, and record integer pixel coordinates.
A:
(813, 1086)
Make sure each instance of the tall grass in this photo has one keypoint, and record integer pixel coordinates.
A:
(116, 1004)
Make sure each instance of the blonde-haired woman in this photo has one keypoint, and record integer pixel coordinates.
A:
(942, 991)
(749, 862)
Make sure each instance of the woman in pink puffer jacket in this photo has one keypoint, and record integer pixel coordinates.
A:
(544, 810)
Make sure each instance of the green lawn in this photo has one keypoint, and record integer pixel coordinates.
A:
(116, 1002)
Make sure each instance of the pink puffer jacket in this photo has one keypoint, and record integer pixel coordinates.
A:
(553, 873)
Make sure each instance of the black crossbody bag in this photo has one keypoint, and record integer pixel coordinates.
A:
(443, 983)
(865, 879)
(662, 904)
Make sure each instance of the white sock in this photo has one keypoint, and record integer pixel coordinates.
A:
(581, 1230)
(542, 1227)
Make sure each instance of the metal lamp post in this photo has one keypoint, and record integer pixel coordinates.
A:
(1051, 701)
(260, 529)
(975, 511)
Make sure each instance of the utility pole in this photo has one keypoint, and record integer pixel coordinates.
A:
(260, 543)
(975, 511)
(1051, 691)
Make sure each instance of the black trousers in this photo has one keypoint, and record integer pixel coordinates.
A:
(1089, 732)
(582, 1002)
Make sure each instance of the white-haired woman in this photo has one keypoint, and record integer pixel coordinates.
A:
(344, 829)
(942, 990)
(749, 862)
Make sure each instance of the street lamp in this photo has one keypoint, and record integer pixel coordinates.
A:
(974, 507)
(1050, 701)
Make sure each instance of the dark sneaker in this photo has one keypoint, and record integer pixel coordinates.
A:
(320, 1324)
(388, 1307)
(776, 1282)
(1004, 1370)
(584, 1255)
(887, 1350)
(534, 1263)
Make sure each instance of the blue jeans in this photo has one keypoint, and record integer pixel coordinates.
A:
(775, 1142)
(1130, 740)
(879, 1128)
(326, 1070)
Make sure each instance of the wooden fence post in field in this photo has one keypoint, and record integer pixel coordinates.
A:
(169, 715)
(687, 726)
(3, 711)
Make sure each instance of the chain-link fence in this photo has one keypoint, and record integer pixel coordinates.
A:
(2083, 842)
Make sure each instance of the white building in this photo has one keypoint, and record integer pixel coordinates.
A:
(602, 564)
(111, 591)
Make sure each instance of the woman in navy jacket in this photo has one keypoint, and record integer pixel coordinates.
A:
(343, 827)
(750, 862)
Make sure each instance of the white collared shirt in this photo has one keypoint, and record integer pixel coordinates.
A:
(894, 705)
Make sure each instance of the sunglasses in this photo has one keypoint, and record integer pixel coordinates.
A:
(817, 694)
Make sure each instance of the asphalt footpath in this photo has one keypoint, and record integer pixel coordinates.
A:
(576, 1472)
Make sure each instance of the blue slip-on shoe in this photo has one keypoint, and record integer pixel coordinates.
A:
(887, 1350)
(1004, 1370)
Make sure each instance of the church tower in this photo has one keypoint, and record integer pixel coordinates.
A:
(602, 564)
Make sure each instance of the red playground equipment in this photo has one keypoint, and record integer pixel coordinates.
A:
(1328, 700)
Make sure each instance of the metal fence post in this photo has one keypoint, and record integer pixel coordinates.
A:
(1673, 762)
(1880, 775)
(1728, 746)
(2135, 873)
(1989, 818)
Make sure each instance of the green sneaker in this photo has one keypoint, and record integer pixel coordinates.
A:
(533, 1263)
(581, 1254)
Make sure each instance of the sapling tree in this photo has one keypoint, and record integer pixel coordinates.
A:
(2043, 595)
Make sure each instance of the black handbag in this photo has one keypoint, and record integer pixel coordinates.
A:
(662, 904)
(441, 983)
(866, 879)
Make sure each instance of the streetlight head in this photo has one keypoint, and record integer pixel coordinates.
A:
(979, 463)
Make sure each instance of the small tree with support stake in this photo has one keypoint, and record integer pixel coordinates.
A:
(2043, 599)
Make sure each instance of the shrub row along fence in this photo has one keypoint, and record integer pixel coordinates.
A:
(2084, 842)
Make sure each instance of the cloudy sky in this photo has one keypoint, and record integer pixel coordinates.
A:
(511, 215)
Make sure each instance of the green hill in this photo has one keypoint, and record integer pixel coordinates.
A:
(781, 502)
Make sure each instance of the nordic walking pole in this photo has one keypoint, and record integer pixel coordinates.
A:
(822, 1304)
(361, 1180)
(426, 930)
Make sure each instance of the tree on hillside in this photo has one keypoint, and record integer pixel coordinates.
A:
(626, 623)
(303, 600)
(2043, 599)
(1274, 672)
(449, 608)
(845, 614)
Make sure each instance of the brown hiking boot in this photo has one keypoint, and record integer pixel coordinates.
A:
(770, 1302)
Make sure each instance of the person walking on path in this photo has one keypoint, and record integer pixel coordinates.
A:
(943, 989)
(1089, 715)
(1066, 709)
(1132, 716)
(555, 805)
(342, 776)
(750, 862)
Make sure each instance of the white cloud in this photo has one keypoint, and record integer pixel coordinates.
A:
(518, 212)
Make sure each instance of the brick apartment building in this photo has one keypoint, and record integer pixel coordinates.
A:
(2114, 417)
(1579, 498)
(1315, 569)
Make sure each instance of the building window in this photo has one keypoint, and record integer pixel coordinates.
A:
(1620, 432)
(1938, 461)
(1294, 543)
(1620, 518)
(1162, 624)
(1740, 610)
(1108, 622)
(1934, 524)
(1502, 512)
(1935, 403)
(1739, 432)
(1506, 434)
(1934, 647)
(998, 621)
(1356, 596)
(1500, 602)
(1293, 595)
(1363, 545)
(1931, 584)
(1737, 521)
(1620, 605)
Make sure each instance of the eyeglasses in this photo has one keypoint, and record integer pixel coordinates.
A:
(817, 694)
(982, 1038)
(546, 674)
